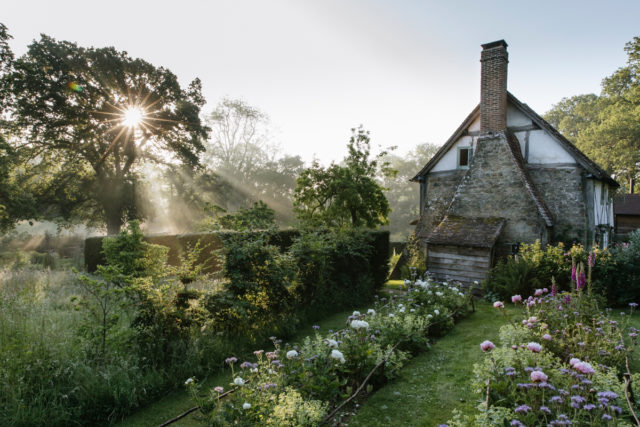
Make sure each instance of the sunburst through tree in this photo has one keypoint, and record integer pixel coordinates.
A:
(91, 117)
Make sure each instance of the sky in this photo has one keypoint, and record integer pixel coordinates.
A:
(406, 70)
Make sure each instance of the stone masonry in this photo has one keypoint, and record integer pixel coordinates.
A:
(492, 187)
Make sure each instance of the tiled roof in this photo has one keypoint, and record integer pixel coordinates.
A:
(462, 231)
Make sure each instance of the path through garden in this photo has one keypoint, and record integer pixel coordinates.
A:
(438, 381)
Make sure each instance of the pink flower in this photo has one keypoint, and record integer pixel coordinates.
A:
(573, 361)
(532, 319)
(537, 293)
(584, 368)
(538, 376)
(547, 337)
(498, 304)
(487, 346)
(516, 298)
(534, 347)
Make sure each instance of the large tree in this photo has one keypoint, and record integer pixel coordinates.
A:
(347, 195)
(404, 196)
(241, 166)
(607, 127)
(86, 119)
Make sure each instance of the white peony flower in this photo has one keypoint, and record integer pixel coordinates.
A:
(238, 381)
(291, 354)
(359, 324)
(246, 405)
(337, 354)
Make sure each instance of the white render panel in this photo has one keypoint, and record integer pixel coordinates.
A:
(543, 148)
(475, 126)
(516, 118)
(602, 204)
(450, 160)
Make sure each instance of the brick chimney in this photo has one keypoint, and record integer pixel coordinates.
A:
(493, 87)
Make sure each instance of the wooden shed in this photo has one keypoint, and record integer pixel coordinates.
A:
(462, 248)
(626, 214)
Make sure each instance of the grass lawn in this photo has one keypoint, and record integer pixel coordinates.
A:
(434, 383)
(178, 401)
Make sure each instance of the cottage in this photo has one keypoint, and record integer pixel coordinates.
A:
(506, 176)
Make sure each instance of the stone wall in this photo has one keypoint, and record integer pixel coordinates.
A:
(563, 190)
(441, 187)
(493, 188)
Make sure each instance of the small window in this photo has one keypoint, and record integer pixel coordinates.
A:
(464, 157)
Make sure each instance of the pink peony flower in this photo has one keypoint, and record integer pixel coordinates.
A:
(547, 337)
(487, 346)
(516, 298)
(584, 368)
(534, 347)
(538, 376)
(498, 304)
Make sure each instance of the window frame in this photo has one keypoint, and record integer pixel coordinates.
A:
(469, 155)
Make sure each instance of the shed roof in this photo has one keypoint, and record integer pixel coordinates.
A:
(626, 204)
(462, 231)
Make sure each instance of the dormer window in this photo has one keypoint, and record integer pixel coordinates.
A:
(464, 157)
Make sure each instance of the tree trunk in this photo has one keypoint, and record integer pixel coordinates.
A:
(114, 221)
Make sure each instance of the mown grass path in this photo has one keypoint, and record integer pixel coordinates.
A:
(436, 382)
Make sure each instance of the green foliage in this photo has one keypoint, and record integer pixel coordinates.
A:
(403, 195)
(536, 267)
(65, 94)
(344, 196)
(258, 217)
(307, 379)
(570, 369)
(605, 127)
(336, 268)
(131, 257)
(618, 278)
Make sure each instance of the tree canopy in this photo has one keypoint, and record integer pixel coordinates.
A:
(607, 126)
(347, 195)
(84, 120)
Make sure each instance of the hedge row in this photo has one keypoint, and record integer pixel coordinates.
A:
(178, 244)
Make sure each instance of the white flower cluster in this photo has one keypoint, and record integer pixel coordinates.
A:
(292, 354)
(332, 343)
(371, 312)
(337, 354)
(238, 381)
(359, 324)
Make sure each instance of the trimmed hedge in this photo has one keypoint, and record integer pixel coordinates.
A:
(178, 244)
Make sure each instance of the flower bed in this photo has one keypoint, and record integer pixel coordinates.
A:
(565, 362)
(303, 384)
